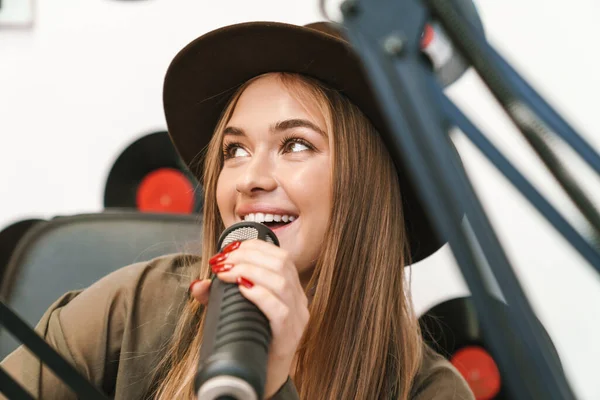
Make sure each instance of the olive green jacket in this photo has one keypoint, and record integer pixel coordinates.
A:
(114, 332)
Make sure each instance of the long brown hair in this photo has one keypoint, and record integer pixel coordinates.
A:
(363, 339)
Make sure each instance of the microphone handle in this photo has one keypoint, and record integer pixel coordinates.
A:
(234, 353)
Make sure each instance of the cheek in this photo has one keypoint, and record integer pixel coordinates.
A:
(309, 187)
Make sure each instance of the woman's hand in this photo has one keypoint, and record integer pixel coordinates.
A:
(267, 277)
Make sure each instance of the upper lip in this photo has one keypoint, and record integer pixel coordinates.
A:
(246, 209)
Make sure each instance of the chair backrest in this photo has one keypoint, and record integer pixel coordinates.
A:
(72, 252)
(10, 237)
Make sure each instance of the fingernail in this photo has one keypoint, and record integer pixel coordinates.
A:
(192, 285)
(219, 258)
(243, 281)
(221, 268)
(231, 246)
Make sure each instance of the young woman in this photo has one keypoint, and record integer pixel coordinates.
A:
(281, 126)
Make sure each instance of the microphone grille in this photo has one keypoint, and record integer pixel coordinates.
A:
(247, 230)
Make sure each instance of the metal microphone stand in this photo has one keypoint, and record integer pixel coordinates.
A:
(386, 34)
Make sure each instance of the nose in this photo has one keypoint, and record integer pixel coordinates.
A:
(257, 176)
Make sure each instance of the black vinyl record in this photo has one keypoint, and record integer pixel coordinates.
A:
(10, 237)
(453, 329)
(150, 176)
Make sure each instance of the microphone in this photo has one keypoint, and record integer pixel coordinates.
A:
(236, 335)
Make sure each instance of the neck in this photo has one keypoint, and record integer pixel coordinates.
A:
(305, 277)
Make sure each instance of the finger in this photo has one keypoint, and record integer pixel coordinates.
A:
(277, 312)
(287, 324)
(263, 247)
(200, 291)
(260, 257)
(274, 282)
(288, 290)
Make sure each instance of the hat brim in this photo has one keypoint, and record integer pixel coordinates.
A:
(204, 75)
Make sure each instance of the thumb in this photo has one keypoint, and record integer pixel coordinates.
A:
(199, 289)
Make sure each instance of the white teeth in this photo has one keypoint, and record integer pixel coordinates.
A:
(262, 217)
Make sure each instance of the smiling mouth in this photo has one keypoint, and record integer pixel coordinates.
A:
(276, 225)
(272, 221)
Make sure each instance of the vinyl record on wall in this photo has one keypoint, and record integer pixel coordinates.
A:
(149, 176)
(10, 237)
(452, 328)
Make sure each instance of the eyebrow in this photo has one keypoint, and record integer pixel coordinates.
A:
(280, 126)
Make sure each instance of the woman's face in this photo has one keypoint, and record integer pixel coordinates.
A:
(278, 167)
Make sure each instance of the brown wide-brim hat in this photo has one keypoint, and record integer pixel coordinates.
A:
(204, 75)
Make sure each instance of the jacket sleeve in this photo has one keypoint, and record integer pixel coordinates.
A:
(444, 384)
(286, 392)
(439, 380)
(86, 328)
(26, 369)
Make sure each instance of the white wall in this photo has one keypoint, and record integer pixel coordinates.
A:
(87, 79)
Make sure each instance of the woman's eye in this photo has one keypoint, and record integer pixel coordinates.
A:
(295, 145)
(234, 150)
(240, 152)
(288, 145)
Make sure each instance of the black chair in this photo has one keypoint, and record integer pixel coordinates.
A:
(10, 237)
(71, 252)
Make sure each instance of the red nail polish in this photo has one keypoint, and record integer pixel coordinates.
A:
(231, 246)
(192, 284)
(243, 281)
(216, 259)
(221, 268)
